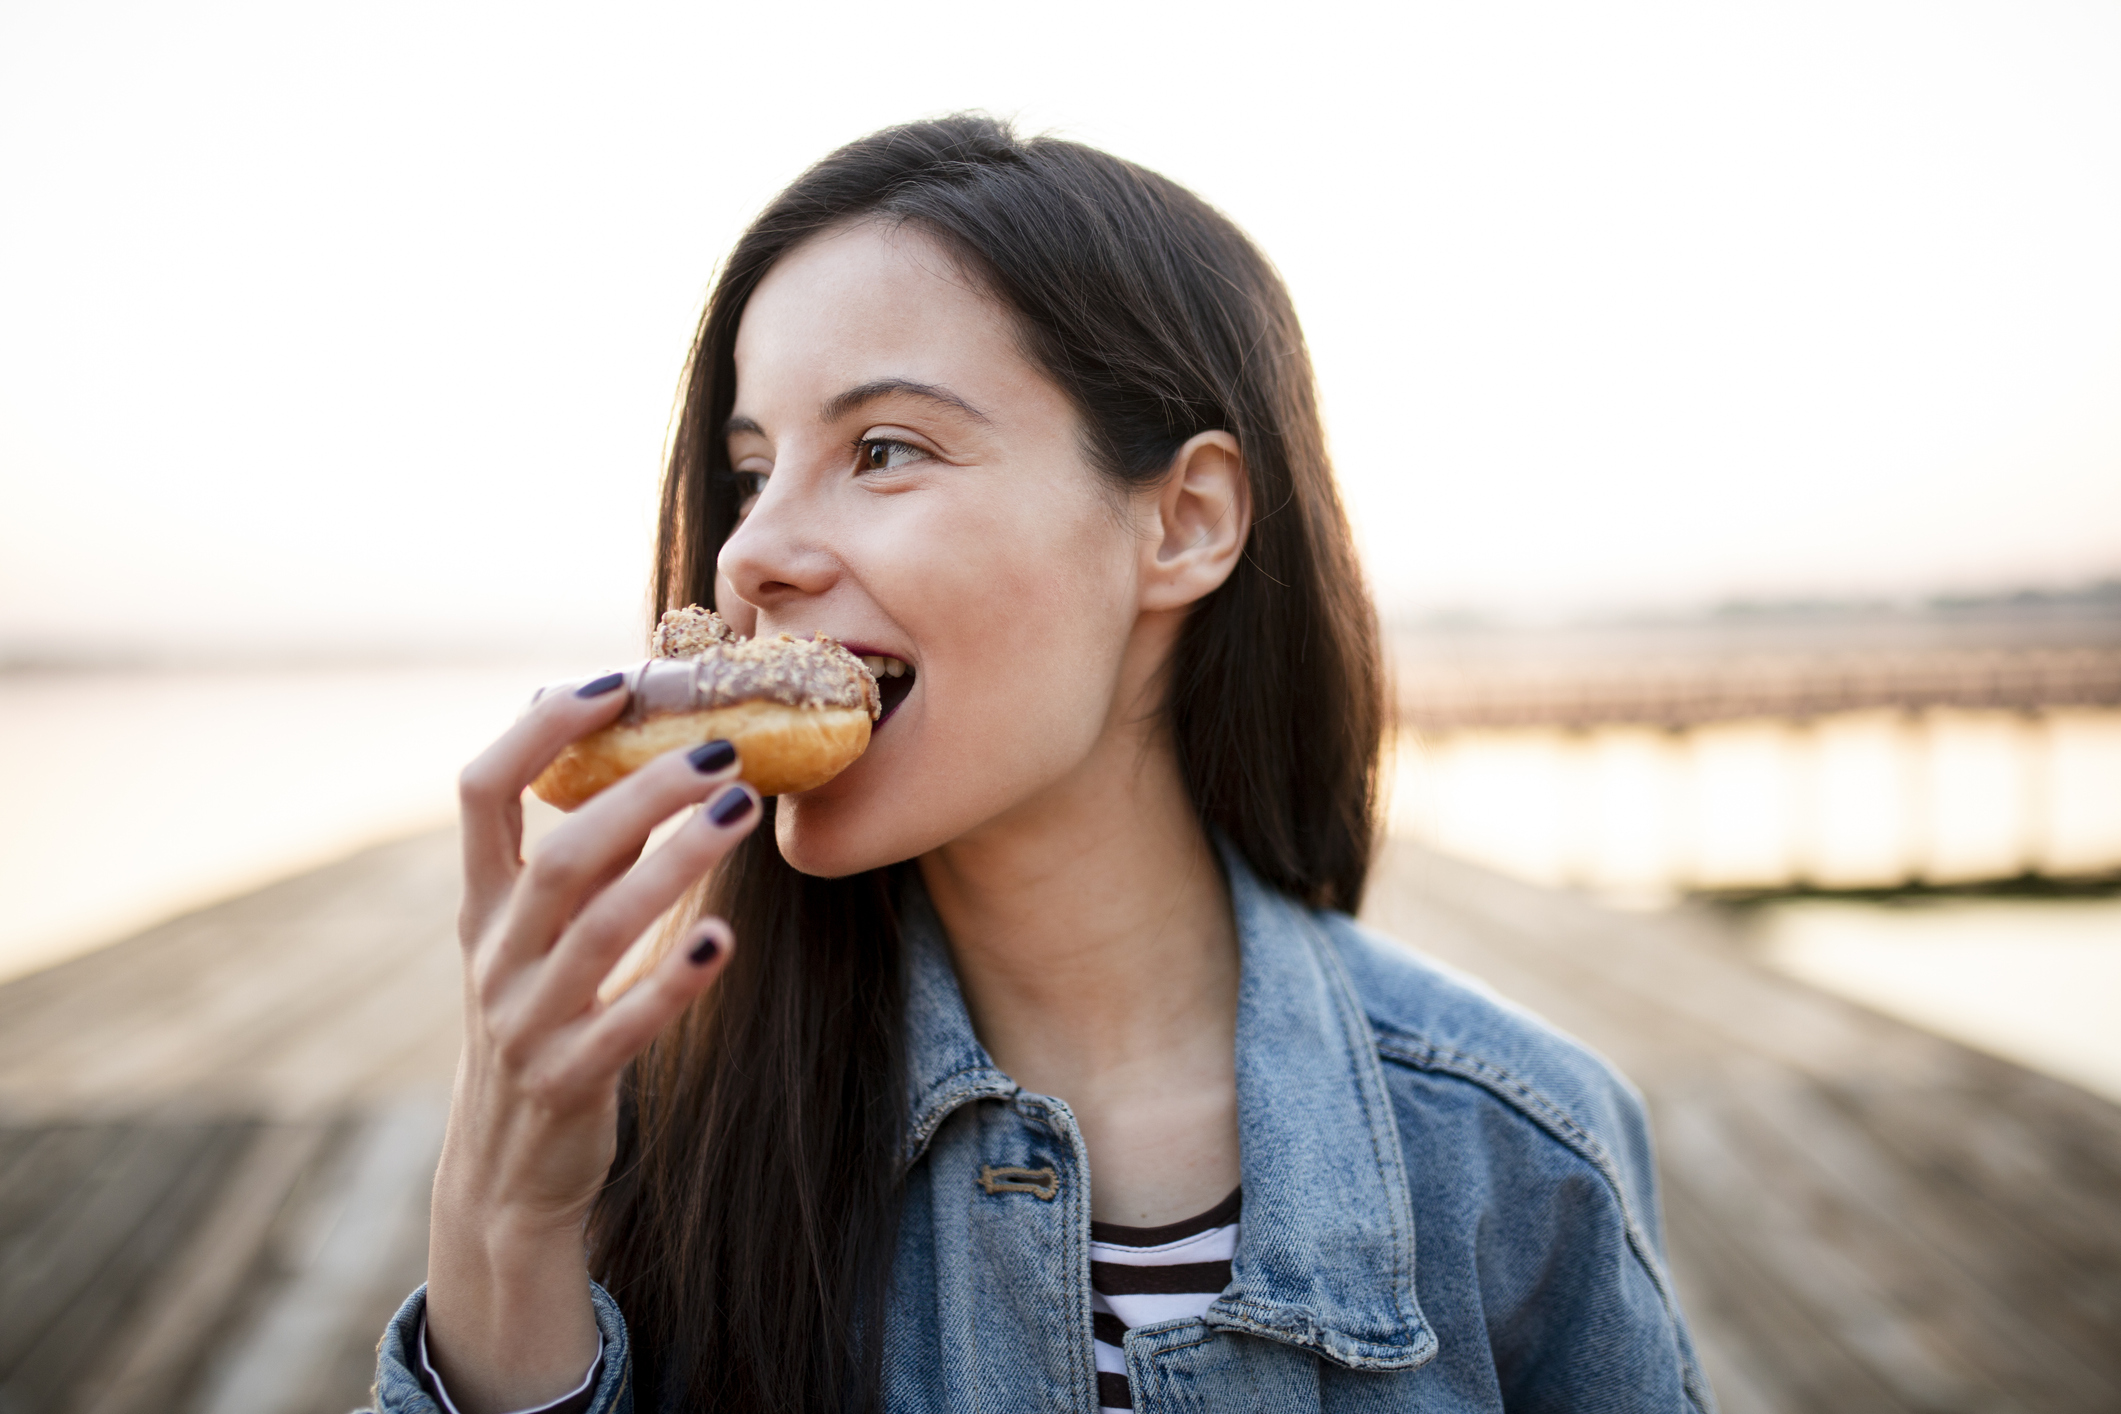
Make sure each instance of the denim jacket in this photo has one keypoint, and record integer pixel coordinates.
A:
(1447, 1206)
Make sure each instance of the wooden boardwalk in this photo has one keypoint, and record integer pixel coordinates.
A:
(216, 1137)
(215, 1145)
(1862, 1216)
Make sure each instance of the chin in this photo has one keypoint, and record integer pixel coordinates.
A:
(845, 826)
(824, 842)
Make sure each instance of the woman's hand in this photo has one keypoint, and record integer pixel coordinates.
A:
(533, 1122)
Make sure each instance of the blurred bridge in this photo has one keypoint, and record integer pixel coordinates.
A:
(1834, 748)
(1452, 693)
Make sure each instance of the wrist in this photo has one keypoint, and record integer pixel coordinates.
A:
(487, 1202)
(504, 1250)
(509, 1322)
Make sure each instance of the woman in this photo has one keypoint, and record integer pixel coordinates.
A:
(1040, 425)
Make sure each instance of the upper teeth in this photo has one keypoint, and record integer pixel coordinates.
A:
(884, 667)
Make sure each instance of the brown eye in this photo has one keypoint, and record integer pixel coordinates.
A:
(882, 454)
(748, 486)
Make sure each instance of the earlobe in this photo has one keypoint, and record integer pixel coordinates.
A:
(1204, 513)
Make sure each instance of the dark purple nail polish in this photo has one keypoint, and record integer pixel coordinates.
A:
(734, 805)
(599, 686)
(706, 950)
(712, 757)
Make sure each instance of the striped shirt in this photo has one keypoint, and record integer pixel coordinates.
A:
(1142, 1275)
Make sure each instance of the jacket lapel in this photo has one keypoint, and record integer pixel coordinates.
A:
(1325, 1259)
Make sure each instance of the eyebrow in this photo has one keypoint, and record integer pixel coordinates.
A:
(896, 387)
(867, 393)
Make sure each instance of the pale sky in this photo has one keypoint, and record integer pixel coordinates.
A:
(363, 323)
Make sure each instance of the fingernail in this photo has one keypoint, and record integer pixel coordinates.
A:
(734, 805)
(712, 757)
(706, 950)
(599, 686)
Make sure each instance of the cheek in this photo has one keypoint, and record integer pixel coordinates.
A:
(1047, 584)
(1020, 615)
(1029, 686)
(1026, 621)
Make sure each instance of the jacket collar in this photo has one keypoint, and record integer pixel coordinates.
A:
(946, 1066)
(1325, 1259)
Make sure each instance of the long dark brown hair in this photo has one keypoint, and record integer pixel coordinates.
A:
(748, 1224)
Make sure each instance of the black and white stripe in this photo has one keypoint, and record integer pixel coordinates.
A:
(1142, 1275)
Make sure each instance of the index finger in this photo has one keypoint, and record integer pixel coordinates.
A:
(490, 789)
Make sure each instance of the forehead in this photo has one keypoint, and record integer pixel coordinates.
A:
(870, 301)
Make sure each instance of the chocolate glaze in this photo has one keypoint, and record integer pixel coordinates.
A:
(784, 669)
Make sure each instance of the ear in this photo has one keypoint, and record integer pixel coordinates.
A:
(1203, 517)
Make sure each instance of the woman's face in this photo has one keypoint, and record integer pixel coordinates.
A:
(923, 495)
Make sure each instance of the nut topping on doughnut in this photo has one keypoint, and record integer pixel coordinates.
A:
(691, 631)
(701, 663)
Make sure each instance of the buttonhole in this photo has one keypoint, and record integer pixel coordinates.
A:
(1042, 1184)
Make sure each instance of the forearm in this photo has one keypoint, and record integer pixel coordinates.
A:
(509, 1320)
(533, 1125)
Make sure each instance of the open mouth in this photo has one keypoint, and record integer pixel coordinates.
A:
(894, 680)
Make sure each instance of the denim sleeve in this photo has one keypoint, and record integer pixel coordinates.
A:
(399, 1389)
(1580, 1307)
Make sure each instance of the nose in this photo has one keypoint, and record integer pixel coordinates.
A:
(778, 554)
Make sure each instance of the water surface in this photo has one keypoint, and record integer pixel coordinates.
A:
(134, 796)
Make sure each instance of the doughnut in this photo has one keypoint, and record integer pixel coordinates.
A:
(798, 712)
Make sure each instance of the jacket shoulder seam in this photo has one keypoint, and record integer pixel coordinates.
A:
(1394, 1044)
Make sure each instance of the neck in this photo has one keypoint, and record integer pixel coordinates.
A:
(1093, 939)
(1080, 936)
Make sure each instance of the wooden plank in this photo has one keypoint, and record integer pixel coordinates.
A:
(1921, 1237)
(74, 1272)
(43, 1175)
(294, 1356)
(152, 1362)
(1804, 1239)
(2032, 1180)
(1762, 1348)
